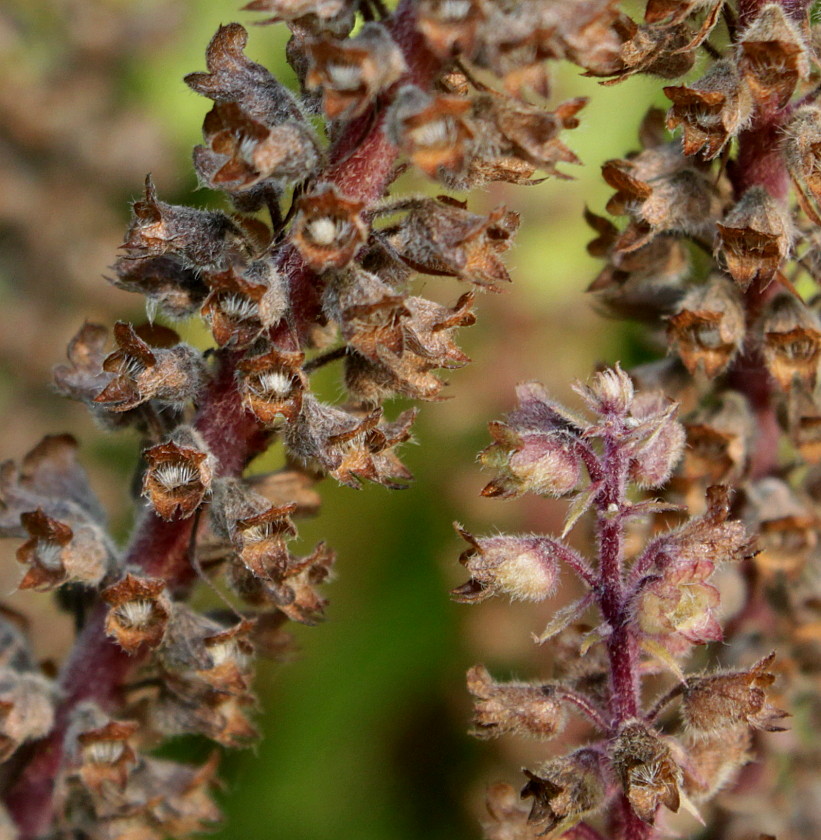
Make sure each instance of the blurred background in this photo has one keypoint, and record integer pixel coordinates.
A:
(364, 732)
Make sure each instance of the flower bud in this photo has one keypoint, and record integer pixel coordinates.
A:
(530, 462)
(645, 767)
(660, 443)
(718, 702)
(514, 708)
(522, 567)
(610, 392)
(138, 612)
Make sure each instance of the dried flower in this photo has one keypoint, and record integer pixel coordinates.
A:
(138, 612)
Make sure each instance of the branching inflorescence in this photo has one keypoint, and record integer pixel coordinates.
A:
(312, 266)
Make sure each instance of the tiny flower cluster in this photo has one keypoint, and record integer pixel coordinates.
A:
(654, 606)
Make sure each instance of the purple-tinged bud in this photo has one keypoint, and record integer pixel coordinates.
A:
(610, 392)
(522, 567)
(659, 450)
(530, 463)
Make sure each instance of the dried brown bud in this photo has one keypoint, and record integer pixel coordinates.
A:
(663, 51)
(241, 152)
(712, 111)
(791, 342)
(708, 328)
(644, 764)
(662, 191)
(350, 448)
(103, 755)
(755, 238)
(328, 229)
(351, 72)
(522, 567)
(802, 154)
(178, 474)
(166, 283)
(565, 790)
(26, 709)
(243, 301)
(718, 702)
(450, 28)
(272, 384)
(138, 612)
(198, 238)
(433, 131)
(442, 237)
(233, 77)
(150, 363)
(57, 553)
(514, 708)
(773, 56)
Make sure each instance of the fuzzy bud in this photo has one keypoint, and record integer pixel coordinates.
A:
(26, 709)
(659, 439)
(522, 567)
(610, 392)
(514, 708)
(718, 702)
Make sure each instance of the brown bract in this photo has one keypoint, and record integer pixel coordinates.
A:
(244, 300)
(198, 238)
(711, 111)
(271, 385)
(352, 72)
(104, 755)
(773, 56)
(755, 238)
(450, 28)
(178, 474)
(646, 769)
(717, 702)
(708, 328)
(328, 229)
(565, 790)
(138, 612)
(791, 342)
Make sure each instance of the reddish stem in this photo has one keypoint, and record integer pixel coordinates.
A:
(97, 668)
